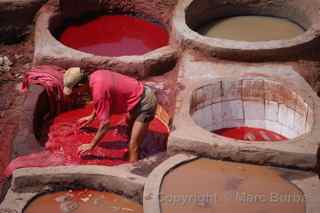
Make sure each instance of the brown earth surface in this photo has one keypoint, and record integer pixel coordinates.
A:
(11, 99)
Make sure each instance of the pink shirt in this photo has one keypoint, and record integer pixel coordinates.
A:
(114, 93)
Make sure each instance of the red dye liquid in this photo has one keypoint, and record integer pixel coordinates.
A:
(250, 134)
(65, 137)
(115, 36)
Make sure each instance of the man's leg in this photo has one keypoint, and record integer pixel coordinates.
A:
(137, 135)
(143, 115)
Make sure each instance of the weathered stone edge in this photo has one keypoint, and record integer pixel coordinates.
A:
(28, 183)
(151, 202)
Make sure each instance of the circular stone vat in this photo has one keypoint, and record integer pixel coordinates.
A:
(129, 37)
(251, 28)
(251, 109)
(283, 30)
(113, 36)
(206, 185)
(82, 201)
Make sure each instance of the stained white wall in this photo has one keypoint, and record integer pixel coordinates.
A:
(252, 103)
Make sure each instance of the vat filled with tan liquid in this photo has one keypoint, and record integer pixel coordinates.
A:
(82, 201)
(206, 186)
(252, 28)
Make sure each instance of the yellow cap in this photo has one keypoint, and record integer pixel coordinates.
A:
(70, 78)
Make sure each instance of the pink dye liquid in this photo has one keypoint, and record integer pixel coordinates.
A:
(65, 137)
(117, 35)
(250, 134)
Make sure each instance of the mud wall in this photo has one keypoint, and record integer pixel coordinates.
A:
(16, 18)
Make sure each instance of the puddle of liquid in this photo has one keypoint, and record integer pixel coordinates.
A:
(82, 201)
(250, 134)
(252, 28)
(207, 186)
(117, 35)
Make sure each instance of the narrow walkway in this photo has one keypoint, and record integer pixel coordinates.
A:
(11, 100)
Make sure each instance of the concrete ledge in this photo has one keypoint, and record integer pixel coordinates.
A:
(310, 187)
(25, 140)
(30, 182)
(16, 18)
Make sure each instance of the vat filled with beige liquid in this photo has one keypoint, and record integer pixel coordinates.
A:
(252, 28)
(206, 186)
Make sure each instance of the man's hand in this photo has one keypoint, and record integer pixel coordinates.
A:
(103, 128)
(85, 121)
(85, 148)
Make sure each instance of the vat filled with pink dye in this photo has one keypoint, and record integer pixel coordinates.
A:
(114, 35)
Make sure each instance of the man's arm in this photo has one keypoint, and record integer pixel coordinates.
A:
(103, 128)
(85, 121)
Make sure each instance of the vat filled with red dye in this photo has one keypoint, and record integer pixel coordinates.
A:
(114, 35)
(250, 134)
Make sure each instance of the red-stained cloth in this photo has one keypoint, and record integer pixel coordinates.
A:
(51, 78)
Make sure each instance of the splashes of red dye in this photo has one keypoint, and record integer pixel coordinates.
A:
(250, 134)
(65, 138)
(115, 36)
